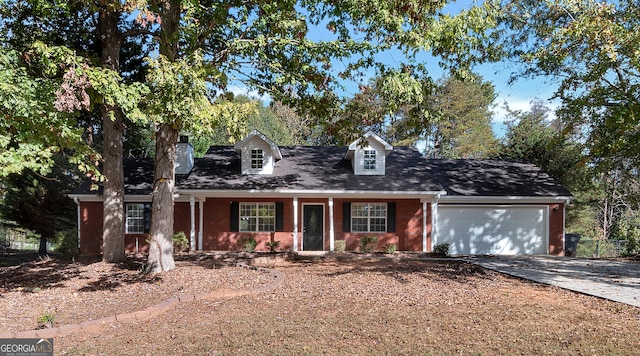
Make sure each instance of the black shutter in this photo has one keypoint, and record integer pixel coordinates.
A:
(391, 217)
(235, 216)
(279, 216)
(147, 218)
(346, 217)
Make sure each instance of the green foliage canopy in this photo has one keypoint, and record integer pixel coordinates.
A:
(32, 130)
(591, 48)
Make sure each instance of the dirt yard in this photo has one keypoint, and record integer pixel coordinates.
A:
(326, 306)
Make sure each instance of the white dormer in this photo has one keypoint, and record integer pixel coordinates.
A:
(368, 155)
(258, 153)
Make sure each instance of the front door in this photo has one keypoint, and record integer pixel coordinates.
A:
(312, 228)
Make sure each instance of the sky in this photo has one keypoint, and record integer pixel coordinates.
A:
(518, 95)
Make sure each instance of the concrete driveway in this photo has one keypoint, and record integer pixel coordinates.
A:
(613, 280)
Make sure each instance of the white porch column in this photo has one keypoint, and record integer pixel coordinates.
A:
(434, 221)
(295, 224)
(332, 236)
(200, 223)
(424, 225)
(192, 233)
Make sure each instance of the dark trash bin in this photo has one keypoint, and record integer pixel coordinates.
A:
(571, 244)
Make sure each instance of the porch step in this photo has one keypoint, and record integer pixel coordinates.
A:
(312, 253)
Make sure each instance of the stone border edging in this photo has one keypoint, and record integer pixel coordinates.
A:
(150, 312)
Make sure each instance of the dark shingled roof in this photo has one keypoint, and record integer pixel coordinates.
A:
(471, 177)
(324, 168)
(310, 167)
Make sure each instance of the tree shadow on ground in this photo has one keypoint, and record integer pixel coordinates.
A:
(399, 268)
(213, 260)
(32, 272)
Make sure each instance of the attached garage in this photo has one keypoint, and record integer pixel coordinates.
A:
(493, 229)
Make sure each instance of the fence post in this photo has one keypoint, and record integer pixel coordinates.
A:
(597, 248)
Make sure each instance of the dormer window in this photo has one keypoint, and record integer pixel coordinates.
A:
(369, 159)
(257, 158)
(258, 154)
(368, 155)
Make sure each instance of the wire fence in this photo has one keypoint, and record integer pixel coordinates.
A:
(14, 238)
(601, 248)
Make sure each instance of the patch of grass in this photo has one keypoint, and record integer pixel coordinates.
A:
(47, 320)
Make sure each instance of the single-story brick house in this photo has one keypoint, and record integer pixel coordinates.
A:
(310, 197)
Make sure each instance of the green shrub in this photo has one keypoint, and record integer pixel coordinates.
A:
(441, 249)
(180, 242)
(340, 246)
(47, 320)
(249, 244)
(367, 243)
(67, 243)
(633, 246)
(273, 245)
(390, 248)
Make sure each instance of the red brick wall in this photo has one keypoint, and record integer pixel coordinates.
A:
(90, 228)
(130, 241)
(217, 234)
(556, 229)
(408, 234)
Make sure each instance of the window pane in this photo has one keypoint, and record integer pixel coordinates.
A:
(378, 210)
(369, 159)
(266, 210)
(266, 224)
(257, 216)
(134, 218)
(369, 217)
(359, 224)
(377, 225)
(256, 159)
(247, 224)
(358, 209)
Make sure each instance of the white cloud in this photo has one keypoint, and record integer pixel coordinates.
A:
(253, 94)
(500, 115)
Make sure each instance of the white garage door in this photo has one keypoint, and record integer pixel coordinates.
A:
(498, 230)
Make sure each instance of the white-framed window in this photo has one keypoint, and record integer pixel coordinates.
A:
(370, 159)
(135, 218)
(257, 158)
(257, 217)
(368, 217)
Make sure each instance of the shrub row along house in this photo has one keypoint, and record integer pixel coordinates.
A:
(307, 198)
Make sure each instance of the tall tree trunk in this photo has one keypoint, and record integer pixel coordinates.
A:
(161, 240)
(42, 248)
(113, 223)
